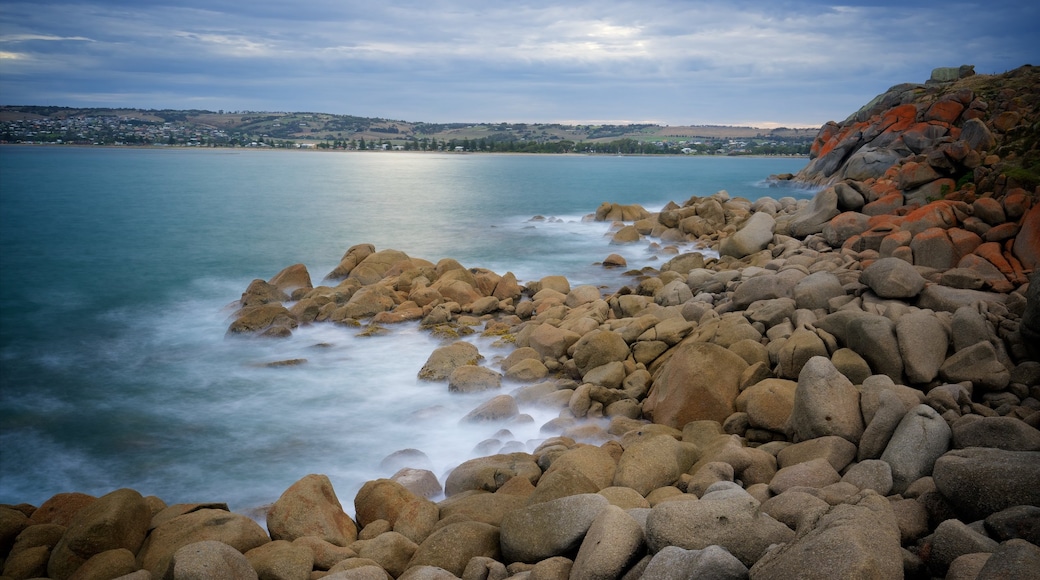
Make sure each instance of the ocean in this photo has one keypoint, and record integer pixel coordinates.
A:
(119, 269)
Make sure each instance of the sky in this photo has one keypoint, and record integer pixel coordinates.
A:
(760, 63)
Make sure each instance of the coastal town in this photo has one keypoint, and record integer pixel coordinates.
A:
(104, 127)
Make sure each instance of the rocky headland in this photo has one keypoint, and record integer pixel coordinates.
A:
(850, 389)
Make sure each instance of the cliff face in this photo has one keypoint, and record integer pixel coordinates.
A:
(958, 132)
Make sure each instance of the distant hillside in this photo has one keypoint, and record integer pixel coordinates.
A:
(40, 124)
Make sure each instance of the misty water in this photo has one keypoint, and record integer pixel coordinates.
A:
(119, 269)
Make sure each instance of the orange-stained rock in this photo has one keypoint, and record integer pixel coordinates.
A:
(989, 273)
(988, 210)
(1006, 121)
(1020, 277)
(1016, 203)
(938, 214)
(933, 249)
(1000, 233)
(898, 119)
(913, 174)
(992, 252)
(826, 134)
(894, 221)
(884, 204)
(945, 111)
(894, 240)
(964, 241)
(1027, 244)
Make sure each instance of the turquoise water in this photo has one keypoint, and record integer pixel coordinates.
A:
(117, 267)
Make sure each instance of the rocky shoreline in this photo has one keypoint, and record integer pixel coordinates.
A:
(850, 390)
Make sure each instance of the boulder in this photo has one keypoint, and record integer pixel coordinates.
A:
(408, 514)
(923, 342)
(729, 518)
(872, 474)
(757, 288)
(211, 559)
(953, 539)
(946, 299)
(675, 563)
(368, 301)
(889, 413)
(892, 278)
(652, 462)
(980, 481)
(472, 379)
(816, 290)
(699, 381)
(497, 408)
(1026, 246)
(1012, 559)
(1004, 433)
(597, 348)
(267, 319)
(921, 437)
(754, 236)
(857, 539)
(844, 226)
(61, 508)
(279, 559)
(978, 364)
(452, 546)
(797, 509)
(445, 359)
(548, 529)
(291, 278)
(491, 473)
(839, 452)
(673, 293)
(353, 256)
(235, 530)
(595, 463)
(1015, 522)
(117, 520)
(874, 337)
(815, 473)
(933, 248)
(825, 403)
(484, 568)
(612, 544)
(768, 403)
(482, 506)
(550, 341)
(391, 550)
(310, 507)
(802, 345)
(611, 212)
(812, 218)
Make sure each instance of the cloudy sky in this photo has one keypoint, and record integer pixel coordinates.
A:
(678, 62)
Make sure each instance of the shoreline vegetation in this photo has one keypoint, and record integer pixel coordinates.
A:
(851, 389)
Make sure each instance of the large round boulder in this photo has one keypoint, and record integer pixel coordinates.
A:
(118, 520)
(699, 381)
(825, 403)
(980, 481)
(310, 507)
